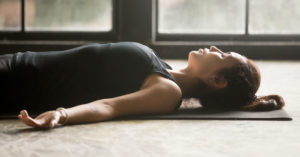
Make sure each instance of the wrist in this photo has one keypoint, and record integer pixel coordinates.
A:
(63, 118)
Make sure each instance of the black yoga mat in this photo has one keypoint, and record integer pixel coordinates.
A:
(201, 113)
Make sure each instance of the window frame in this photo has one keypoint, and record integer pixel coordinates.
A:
(22, 34)
(139, 25)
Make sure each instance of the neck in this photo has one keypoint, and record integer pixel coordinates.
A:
(187, 82)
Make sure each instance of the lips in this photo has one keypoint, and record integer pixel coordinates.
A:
(201, 51)
(206, 50)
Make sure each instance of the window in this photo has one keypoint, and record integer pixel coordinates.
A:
(10, 15)
(68, 15)
(255, 28)
(57, 19)
(280, 17)
(227, 20)
(201, 16)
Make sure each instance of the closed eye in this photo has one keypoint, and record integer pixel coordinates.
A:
(228, 54)
(222, 54)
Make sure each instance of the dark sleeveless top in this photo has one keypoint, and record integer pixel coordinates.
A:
(83, 74)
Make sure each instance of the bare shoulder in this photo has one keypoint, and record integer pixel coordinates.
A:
(166, 90)
(164, 84)
(170, 86)
(157, 95)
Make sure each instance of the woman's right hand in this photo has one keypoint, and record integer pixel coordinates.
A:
(45, 120)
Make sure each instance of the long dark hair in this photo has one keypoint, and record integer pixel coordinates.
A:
(243, 81)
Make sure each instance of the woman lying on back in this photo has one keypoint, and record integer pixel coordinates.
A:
(98, 82)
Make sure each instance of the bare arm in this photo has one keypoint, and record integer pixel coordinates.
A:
(158, 98)
(91, 112)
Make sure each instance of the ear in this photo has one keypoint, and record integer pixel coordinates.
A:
(218, 82)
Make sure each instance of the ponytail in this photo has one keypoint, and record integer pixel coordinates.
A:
(265, 103)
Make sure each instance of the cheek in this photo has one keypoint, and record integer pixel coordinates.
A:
(203, 63)
(210, 64)
(199, 64)
(209, 61)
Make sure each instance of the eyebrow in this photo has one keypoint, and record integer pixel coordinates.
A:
(230, 55)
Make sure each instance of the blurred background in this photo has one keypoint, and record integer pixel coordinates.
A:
(267, 31)
(259, 29)
(60, 15)
(175, 16)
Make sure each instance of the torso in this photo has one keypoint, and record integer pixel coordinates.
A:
(83, 81)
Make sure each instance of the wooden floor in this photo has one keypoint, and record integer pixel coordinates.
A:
(172, 138)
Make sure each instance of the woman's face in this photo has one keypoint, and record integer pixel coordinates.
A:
(205, 63)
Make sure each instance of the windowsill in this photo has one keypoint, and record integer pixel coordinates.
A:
(278, 50)
(48, 42)
(227, 43)
(154, 43)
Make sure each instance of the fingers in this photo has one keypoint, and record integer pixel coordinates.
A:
(45, 120)
(26, 119)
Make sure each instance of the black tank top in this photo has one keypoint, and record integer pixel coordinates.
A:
(84, 74)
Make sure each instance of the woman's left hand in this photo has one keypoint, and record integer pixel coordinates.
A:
(47, 119)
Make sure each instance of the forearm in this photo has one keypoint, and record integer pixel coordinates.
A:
(90, 112)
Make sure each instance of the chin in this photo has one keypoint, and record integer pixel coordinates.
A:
(193, 54)
(193, 60)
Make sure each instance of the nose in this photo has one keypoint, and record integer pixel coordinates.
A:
(214, 48)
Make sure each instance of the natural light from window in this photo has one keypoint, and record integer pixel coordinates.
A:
(69, 15)
(10, 15)
(228, 16)
(274, 17)
(201, 16)
(57, 15)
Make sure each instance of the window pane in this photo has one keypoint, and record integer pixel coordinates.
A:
(201, 16)
(274, 16)
(10, 15)
(69, 15)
